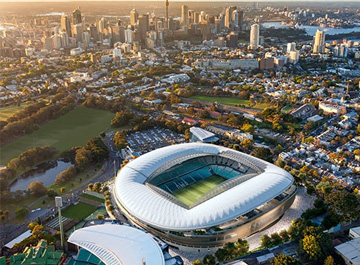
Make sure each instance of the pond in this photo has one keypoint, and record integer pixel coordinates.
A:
(311, 30)
(45, 172)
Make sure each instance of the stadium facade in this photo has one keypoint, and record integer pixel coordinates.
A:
(202, 196)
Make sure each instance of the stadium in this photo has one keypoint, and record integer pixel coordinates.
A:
(202, 196)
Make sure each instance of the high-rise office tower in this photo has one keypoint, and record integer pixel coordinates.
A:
(134, 15)
(319, 42)
(86, 38)
(228, 16)
(143, 26)
(64, 39)
(129, 37)
(115, 30)
(185, 15)
(65, 25)
(167, 14)
(241, 18)
(291, 46)
(76, 16)
(93, 32)
(235, 19)
(101, 25)
(254, 36)
(77, 32)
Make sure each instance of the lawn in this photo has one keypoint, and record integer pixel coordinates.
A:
(72, 129)
(7, 112)
(231, 101)
(191, 193)
(91, 197)
(79, 211)
(287, 109)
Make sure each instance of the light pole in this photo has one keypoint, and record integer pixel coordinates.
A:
(114, 168)
(59, 204)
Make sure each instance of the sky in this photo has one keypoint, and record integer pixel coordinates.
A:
(249, 1)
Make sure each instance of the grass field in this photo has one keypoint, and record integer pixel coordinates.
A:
(79, 211)
(287, 109)
(191, 193)
(72, 129)
(230, 101)
(90, 197)
(7, 112)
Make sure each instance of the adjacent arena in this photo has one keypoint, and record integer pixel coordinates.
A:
(202, 195)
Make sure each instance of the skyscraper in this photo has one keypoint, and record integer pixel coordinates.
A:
(143, 26)
(254, 36)
(228, 16)
(78, 32)
(319, 42)
(65, 25)
(134, 15)
(185, 15)
(167, 14)
(76, 16)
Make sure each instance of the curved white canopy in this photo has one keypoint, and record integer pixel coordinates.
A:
(157, 211)
(118, 244)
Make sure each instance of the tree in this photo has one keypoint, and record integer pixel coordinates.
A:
(358, 129)
(21, 212)
(7, 213)
(2, 219)
(66, 175)
(209, 260)
(97, 187)
(37, 188)
(82, 157)
(284, 235)
(345, 203)
(315, 244)
(90, 186)
(62, 189)
(265, 241)
(311, 247)
(262, 153)
(100, 216)
(51, 193)
(197, 262)
(247, 143)
(329, 261)
(247, 127)
(282, 259)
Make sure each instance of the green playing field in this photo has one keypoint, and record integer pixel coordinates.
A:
(191, 193)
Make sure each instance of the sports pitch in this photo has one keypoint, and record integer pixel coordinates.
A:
(191, 193)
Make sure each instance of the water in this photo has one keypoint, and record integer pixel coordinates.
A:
(311, 30)
(45, 172)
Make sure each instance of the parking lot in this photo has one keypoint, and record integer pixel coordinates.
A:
(152, 139)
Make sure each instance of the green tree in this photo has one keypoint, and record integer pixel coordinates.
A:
(209, 260)
(345, 203)
(197, 262)
(265, 241)
(21, 212)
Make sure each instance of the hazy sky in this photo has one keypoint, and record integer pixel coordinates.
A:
(180, 0)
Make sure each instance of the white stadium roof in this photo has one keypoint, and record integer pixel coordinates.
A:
(157, 211)
(119, 244)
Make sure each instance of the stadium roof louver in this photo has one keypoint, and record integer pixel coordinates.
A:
(155, 210)
(118, 244)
